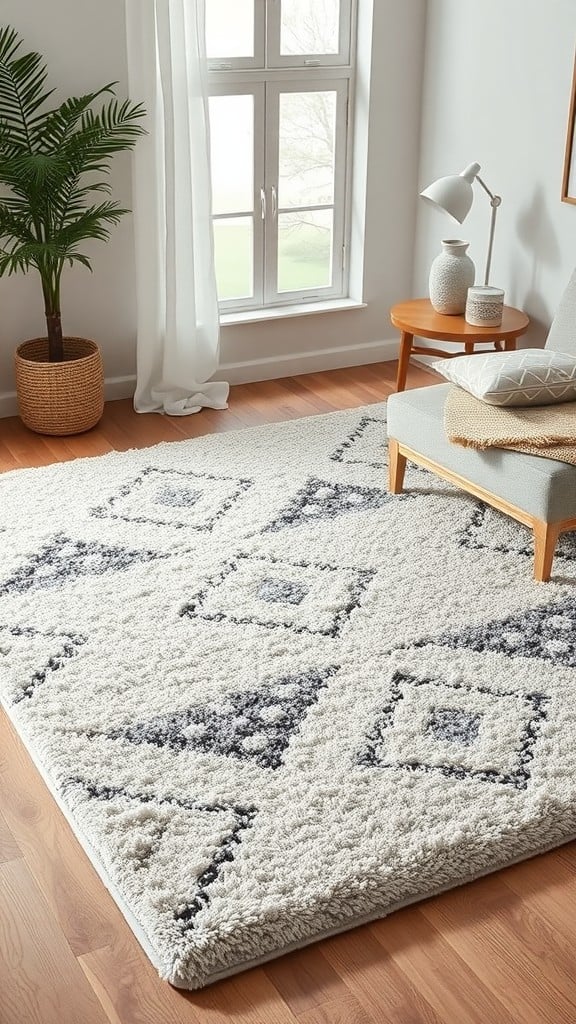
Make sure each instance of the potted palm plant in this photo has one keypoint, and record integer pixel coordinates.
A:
(54, 162)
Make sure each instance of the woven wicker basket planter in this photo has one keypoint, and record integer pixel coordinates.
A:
(60, 398)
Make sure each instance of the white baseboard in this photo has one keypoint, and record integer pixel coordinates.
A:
(252, 370)
(297, 363)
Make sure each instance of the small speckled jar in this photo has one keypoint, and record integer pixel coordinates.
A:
(484, 306)
(451, 275)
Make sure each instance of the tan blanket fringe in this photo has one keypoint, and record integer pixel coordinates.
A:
(548, 431)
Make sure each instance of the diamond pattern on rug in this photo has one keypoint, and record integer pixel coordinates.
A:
(253, 725)
(488, 529)
(548, 633)
(462, 731)
(144, 828)
(321, 499)
(42, 654)
(262, 591)
(177, 498)
(366, 445)
(62, 560)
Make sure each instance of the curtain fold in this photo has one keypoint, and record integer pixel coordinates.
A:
(178, 325)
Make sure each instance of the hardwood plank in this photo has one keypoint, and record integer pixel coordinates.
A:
(434, 968)
(42, 982)
(383, 991)
(7, 459)
(480, 922)
(366, 390)
(143, 429)
(9, 849)
(310, 400)
(99, 990)
(344, 1010)
(127, 983)
(248, 998)
(129, 988)
(305, 979)
(89, 445)
(25, 448)
(545, 884)
(83, 908)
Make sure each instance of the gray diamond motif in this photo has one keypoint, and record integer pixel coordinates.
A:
(454, 725)
(180, 499)
(322, 499)
(253, 725)
(460, 728)
(63, 560)
(176, 497)
(548, 633)
(282, 592)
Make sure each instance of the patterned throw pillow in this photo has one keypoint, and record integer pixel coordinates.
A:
(531, 376)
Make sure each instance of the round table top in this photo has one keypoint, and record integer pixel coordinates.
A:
(417, 316)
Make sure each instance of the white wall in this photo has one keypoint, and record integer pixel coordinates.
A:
(496, 89)
(84, 45)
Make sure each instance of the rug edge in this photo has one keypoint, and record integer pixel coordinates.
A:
(170, 976)
(119, 452)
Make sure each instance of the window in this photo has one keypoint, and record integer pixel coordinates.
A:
(280, 83)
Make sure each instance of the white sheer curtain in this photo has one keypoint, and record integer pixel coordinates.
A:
(178, 331)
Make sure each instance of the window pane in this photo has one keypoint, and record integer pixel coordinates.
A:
(233, 245)
(305, 250)
(232, 153)
(309, 26)
(230, 28)
(307, 147)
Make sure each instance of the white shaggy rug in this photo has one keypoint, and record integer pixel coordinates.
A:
(273, 700)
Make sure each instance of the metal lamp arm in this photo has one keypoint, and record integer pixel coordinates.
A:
(495, 202)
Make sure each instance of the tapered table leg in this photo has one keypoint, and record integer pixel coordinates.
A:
(406, 340)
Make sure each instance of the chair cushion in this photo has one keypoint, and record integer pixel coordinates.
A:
(542, 487)
(531, 376)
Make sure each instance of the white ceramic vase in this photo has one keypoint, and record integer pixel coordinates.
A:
(451, 275)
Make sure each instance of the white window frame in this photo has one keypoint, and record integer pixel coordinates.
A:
(272, 296)
(278, 60)
(257, 91)
(243, 63)
(277, 75)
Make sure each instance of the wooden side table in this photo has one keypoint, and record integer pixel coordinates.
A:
(417, 317)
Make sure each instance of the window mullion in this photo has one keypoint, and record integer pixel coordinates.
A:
(259, 183)
(271, 183)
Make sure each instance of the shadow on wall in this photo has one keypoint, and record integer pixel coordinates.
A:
(540, 244)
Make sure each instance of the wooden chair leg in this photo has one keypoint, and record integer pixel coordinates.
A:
(396, 467)
(545, 538)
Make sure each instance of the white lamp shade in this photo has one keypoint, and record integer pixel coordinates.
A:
(454, 193)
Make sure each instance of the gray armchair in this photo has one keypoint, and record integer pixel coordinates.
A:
(538, 492)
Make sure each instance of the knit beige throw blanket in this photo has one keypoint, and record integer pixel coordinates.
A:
(546, 430)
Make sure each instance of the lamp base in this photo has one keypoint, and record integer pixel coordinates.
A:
(484, 306)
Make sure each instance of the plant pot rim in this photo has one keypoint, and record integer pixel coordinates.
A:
(92, 348)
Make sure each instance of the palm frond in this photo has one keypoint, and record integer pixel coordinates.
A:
(91, 223)
(22, 89)
(16, 224)
(55, 127)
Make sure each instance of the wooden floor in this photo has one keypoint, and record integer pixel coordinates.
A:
(497, 951)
